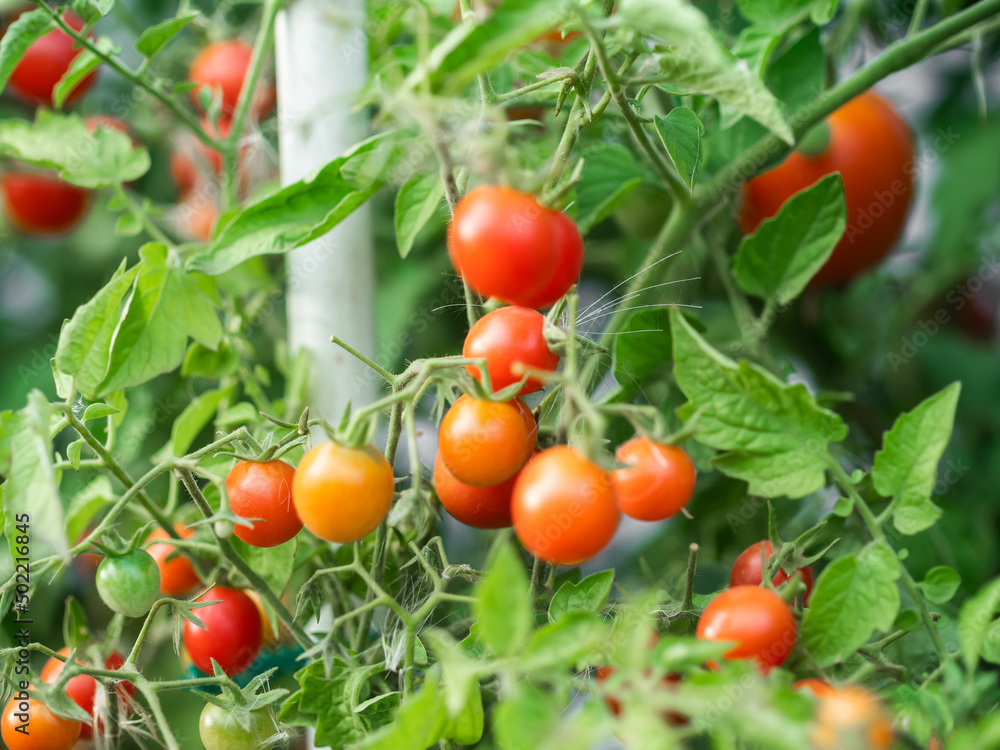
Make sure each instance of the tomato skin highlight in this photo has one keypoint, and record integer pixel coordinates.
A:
(563, 507)
(45, 62)
(747, 570)
(657, 484)
(505, 337)
(232, 634)
(220, 729)
(129, 584)
(872, 148)
(479, 507)
(342, 494)
(756, 619)
(82, 688)
(484, 443)
(568, 246)
(47, 731)
(263, 490)
(852, 716)
(42, 205)
(500, 242)
(177, 575)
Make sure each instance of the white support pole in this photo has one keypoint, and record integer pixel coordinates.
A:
(322, 59)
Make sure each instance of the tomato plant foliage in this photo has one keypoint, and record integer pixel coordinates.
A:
(700, 341)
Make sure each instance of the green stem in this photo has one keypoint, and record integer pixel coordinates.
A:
(692, 568)
(917, 19)
(386, 375)
(409, 658)
(527, 89)
(137, 211)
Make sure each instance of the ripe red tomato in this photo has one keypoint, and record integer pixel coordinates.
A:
(568, 246)
(342, 494)
(847, 713)
(220, 729)
(563, 507)
(45, 63)
(177, 575)
(479, 507)
(46, 730)
(819, 688)
(507, 336)
(747, 570)
(82, 688)
(221, 67)
(42, 205)
(484, 443)
(658, 481)
(500, 241)
(871, 146)
(232, 632)
(756, 619)
(263, 490)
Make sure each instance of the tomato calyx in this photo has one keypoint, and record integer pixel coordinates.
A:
(790, 558)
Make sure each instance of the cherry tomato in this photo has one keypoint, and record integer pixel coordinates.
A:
(195, 217)
(568, 246)
(747, 570)
(479, 507)
(42, 205)
(507, 337)
(130, 583)
(232, 633)
(46, 731)
(563, 507)
(177, 575)
(237, 729)
(484, 443)
(342, 494)
(851, 716)
(221, 67)
(658, 481)
(870, 145)
(819, 688)
(669, 682)
(500, 241)
(756, 620)
(263, 490)
(45, 62)
(82, 688)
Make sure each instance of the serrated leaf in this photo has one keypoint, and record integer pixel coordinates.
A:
(610, 173)
(589, 595)
(776, 434)
(153, 39)
(166, 308)
(681, 132)
(940, 584)
(419, 723)
(502, 604)
(83, 64)
(906, 467)
(21, 34)
(975, 619)
(300, 212)
(417, 201)
(778, 260)
(849, 603)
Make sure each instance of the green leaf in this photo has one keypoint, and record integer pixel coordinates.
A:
(419, 723)
(336, 705)
(85, 341)
(63, 142)
(32, 487)
(908, 620)
(466, 727)
(975, 620)
(74, 624)
(12, 424)
(777, 261)
(502, 605)
(98, 410)
(209, 364)
(21, 34)
(92, 11)
(772, 12)
(153, 39)
(417, 201)
(80, 68)
(86, 504)
(681, 132)
(296, 214)
(273, 564)
(73, 451)
(906, 467)
(610, 173)
(525, 716)
(589, 595)
(853, 597)
(166, 307)
(470, 48)
(940, 584)
(128, 225)
(776, 434)
(643, 347)
(191, 422)
(564, 644)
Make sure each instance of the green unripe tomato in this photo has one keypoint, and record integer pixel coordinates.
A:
(129, 584)
(236, 730)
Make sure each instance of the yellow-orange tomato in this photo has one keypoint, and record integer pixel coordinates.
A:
(484, 443)
(342, 494)
(851, 716)
(870, 145)
(46, 730)
(177, 575)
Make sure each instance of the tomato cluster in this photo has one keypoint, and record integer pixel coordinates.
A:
(82, 689)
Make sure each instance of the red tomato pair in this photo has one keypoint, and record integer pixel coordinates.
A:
(748, 571)
(504, 243)
(82, 688)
